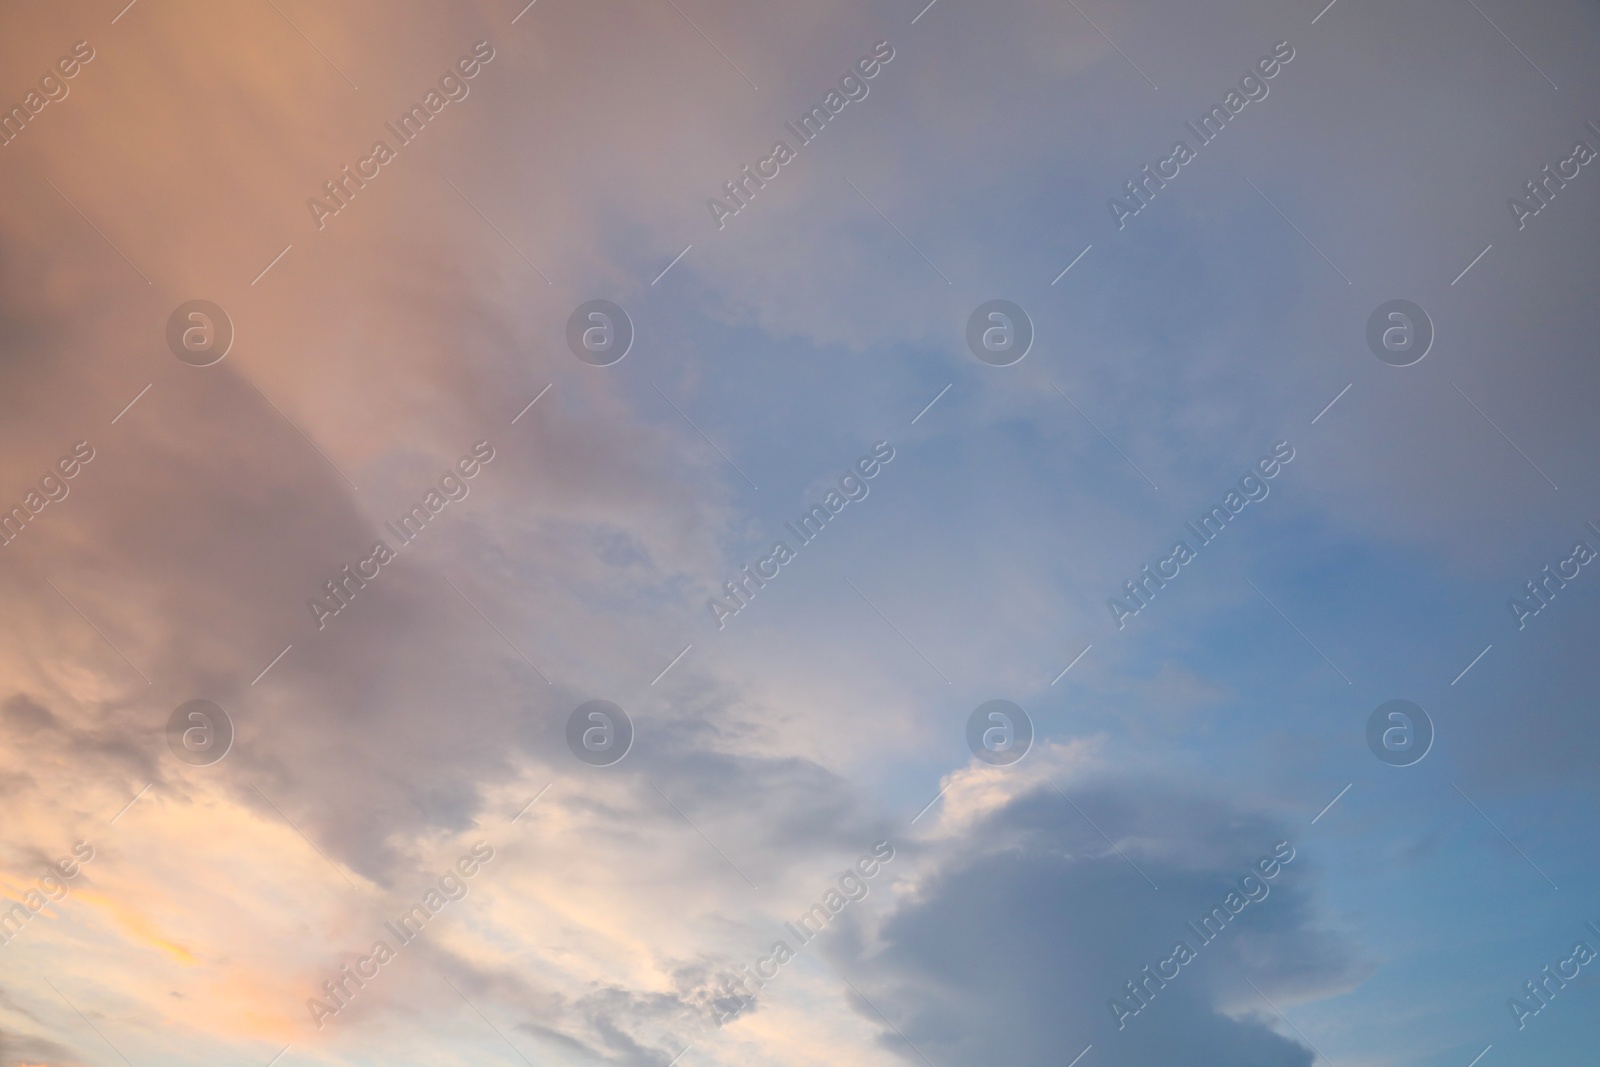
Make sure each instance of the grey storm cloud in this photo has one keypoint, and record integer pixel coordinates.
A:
(1022, 930)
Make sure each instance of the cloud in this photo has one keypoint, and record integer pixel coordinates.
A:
(381, 347)
(1020, 930)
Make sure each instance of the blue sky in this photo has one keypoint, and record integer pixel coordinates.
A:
(1228, 316)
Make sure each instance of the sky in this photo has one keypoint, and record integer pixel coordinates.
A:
(398, 459)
